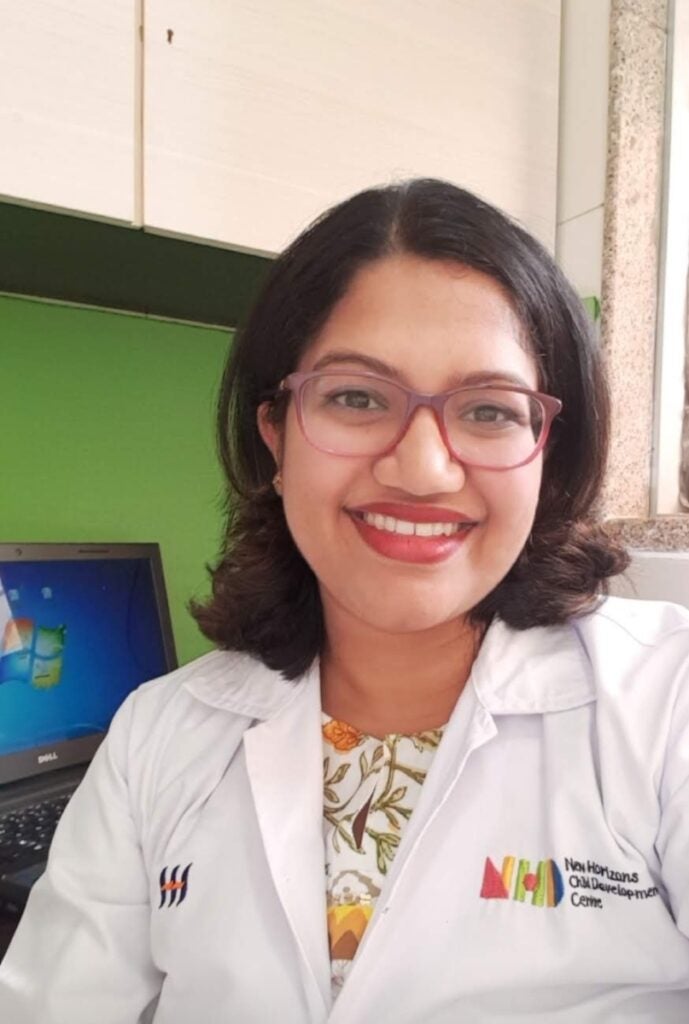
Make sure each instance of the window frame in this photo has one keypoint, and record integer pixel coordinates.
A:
(673, 280)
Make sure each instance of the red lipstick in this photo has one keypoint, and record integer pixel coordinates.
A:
(414, 513)
(410, 547)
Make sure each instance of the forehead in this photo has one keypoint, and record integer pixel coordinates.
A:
(430, 321)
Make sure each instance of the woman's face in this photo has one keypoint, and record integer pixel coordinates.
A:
(433, 324)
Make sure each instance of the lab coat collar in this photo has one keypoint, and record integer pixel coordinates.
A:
(233, 681)
(285, 769)
(285, 773)
(532, 671)
(517, 672)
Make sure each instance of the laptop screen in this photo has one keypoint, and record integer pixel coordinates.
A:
(80, 628)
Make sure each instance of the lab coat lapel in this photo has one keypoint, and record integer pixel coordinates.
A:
(284, 758)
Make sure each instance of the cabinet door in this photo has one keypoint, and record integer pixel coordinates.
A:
(67, 104)
(260, 113)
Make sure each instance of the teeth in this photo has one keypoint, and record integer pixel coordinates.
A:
(408, 529)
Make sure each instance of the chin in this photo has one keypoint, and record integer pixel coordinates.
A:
(411, 616)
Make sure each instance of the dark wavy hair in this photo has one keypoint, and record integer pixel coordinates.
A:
(265, 598)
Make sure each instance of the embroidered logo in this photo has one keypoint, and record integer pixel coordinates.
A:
(544, 886)
(176, 888)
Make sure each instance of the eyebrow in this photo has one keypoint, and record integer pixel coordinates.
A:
(385, 370)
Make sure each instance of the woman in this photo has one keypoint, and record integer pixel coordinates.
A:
(430, 774)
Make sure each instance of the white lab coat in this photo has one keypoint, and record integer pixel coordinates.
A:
(568, 744)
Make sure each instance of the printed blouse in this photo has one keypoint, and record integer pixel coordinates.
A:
(370, 788)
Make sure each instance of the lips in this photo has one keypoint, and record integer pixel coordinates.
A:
(413, 513)
(411, 547)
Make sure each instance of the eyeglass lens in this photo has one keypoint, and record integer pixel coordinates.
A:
(493, 427)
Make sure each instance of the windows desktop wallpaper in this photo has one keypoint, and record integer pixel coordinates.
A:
(75, 638)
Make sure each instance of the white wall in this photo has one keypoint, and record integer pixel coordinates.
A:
(584, 67)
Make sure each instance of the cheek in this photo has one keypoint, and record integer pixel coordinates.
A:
(525, 488)
(314, 484)
(511, 500)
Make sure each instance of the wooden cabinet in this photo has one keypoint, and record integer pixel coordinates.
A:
(260, 113)
(238, 121)
(68, 82)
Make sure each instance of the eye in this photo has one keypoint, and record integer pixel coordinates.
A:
(491, 414)
(359, 399)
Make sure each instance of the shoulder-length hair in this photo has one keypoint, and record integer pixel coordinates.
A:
(265, 598)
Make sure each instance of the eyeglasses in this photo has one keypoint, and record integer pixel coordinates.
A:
(489, 427)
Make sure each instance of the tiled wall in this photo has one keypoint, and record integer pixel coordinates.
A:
(636, 123)
(612, 121)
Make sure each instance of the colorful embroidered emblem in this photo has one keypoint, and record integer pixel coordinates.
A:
(176, 888)
(544, 885)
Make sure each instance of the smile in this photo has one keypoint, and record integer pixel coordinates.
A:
(406, 541)
(407, 529)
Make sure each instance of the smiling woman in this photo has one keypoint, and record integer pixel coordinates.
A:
(425, 287)
(432, 773)
(432, 321)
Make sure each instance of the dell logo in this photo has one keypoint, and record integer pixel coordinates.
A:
(42, 758)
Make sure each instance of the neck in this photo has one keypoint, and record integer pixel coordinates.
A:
(394, 682)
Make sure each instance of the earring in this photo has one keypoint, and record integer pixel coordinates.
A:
(277, 482)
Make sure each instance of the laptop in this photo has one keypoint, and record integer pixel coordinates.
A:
(81, 626)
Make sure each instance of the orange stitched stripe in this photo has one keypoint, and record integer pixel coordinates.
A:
(171, 885)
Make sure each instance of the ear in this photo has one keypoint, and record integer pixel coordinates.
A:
(270, 433)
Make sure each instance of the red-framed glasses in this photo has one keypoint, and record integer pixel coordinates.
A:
(488, 426)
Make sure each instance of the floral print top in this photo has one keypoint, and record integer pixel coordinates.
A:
(370, 788)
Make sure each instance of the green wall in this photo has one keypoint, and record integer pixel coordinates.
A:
(107, 428)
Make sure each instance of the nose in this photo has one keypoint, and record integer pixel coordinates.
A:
(421, 462)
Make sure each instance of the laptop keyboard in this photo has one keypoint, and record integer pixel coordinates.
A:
(26, 832)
